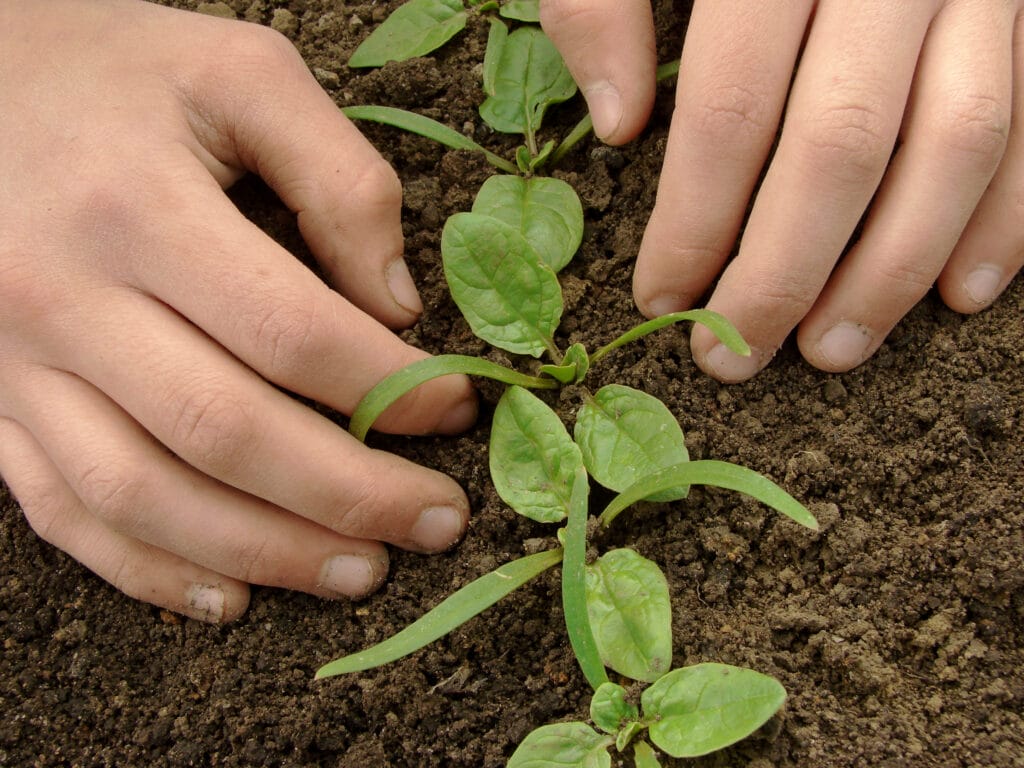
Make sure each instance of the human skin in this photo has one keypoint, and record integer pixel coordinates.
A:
(939, 81)
(144, 320)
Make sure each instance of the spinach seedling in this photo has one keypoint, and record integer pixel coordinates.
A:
(501, 261)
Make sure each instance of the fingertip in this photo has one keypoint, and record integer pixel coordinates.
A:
(219, 602)
(440, 528)
(408, 305)
(973, 290)
(721, 363)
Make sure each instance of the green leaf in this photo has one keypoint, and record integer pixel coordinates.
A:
(721, 474)
(533, 460)
(454, 611)
(644, 756)
(700, 709)
(609, 709)
(414, 29)
(630, 614)
(574, 365)
(529, 77)
(546, 211)
(510, 298)
(563, 745)
(496, 38)
(521, 10)
(425, 126)
(388, 390)
(718, 324)
(626, 435)
(627, 734)
(574, 584)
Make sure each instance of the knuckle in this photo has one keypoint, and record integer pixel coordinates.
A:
(733, 111)
(907, 278)
(115, 491)
(785, 294)
(249, 559)
(214, 428)
(375, 186)
(258, 47)
(286, 336)
(849, 140)
(556, 14)
(360, 513)
(977, 125)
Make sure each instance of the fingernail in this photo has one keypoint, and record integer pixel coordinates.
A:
(605, 105)
(205, 602)
(982, 285)
(458, 418)
(438, 528)
(352, 575)
(845, 345)
(663, 305)
(403, 289)
(725, 365)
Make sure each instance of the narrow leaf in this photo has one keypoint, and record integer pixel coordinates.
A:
(530, 77)
(521, 10)
(388, 390)
(700, 709)
(546, 211)
(563, 745)
(721, 474)
(413, 29)
(496, 38)
(626, 435)
(630, 614)
(716, 323)
(533, 460)
(509, 297)
(454, 611)
(574, 586)
(427, 127)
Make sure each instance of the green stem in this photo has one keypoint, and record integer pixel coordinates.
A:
(574, 585)
(716, 323)
(377, 400)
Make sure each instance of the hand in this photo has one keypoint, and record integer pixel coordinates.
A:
(143, 320)
(943, 82)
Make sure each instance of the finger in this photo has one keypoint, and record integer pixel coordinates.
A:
(953, 138)
(265, 112)
(842, 120)
(609, 47)
(991, 251)
(140, 571)
(137, 490)
(225, 421)
(732, 88)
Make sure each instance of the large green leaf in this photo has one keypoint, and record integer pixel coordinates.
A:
(546, 211)
(700, 709)
(414, 29)
(626, 435)
(533, 459)
(527, 76)
(630, 614)
(563, 745)
(510, 298)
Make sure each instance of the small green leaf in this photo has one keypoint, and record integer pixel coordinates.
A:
(509, 297)
(627, 734)
(496, 38)
(700, 709)
(521, 10)
(529, 77)
(542, 155)
(609, 709)
(626, 435)
(630, 614)
(414, 29)
(721, 474)
(644, 756)
(533, 460)
(546, 211)
(425, 126)
(388, 390)
(574, 366)
(454, 611)
(563, 745)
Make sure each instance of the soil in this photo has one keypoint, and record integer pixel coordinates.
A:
(898, 629)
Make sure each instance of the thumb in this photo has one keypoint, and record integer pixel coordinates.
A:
(609, 47)
(280, 124)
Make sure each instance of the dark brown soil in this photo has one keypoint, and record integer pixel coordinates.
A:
(898, 630)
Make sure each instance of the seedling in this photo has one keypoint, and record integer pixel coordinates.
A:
(501, 261)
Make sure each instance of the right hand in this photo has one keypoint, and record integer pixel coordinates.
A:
(144, 322)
